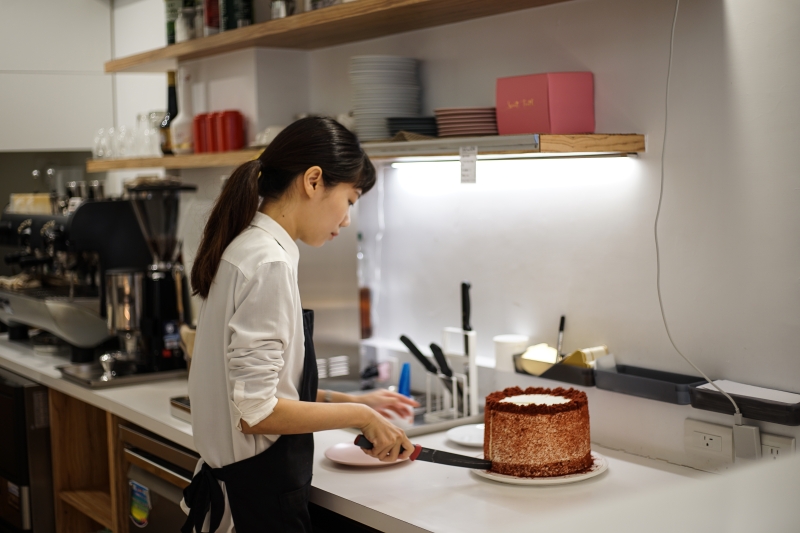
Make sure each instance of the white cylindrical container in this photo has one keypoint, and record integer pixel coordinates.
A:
(505, 346)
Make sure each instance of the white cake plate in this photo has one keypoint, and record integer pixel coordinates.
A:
(469, 435)
(600, 465)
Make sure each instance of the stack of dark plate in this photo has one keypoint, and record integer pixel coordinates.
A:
(466, 121)
(421, 125)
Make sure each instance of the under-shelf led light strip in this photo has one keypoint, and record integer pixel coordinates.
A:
(737, 413)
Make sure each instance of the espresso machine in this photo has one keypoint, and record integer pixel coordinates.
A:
(105, 278)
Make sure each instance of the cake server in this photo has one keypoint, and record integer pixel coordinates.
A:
(436, 456)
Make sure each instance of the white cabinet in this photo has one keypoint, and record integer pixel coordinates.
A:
(53, 35)
(48, 112)
(55, 95)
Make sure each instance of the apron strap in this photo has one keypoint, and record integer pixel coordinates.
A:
(203, 493)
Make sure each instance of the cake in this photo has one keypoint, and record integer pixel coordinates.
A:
(537, 432)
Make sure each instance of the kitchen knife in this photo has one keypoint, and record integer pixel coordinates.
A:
(430, 367)
(436, 456)
(416, 353)
(438, 354)
(465, 312)
(441, 360)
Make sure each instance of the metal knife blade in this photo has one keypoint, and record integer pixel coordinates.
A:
(452, 459)
(416, 353)
(436, 456)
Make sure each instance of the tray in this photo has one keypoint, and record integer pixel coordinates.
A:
(90, 375)
(566, 373)
(753, 408)
(646, 383)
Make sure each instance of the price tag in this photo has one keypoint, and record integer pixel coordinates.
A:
(469, 160)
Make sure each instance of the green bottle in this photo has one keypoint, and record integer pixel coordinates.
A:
(235, 14)
(173, 8)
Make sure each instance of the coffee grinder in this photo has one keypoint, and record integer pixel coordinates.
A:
(146, 308)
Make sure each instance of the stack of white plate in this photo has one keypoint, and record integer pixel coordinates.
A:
(383, 86)
(469, 121)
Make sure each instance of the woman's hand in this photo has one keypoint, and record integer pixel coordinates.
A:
(387, 439)
(385, 401)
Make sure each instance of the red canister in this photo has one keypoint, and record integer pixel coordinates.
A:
(199, 131)
(233, 129)
(219, 132)
(211, 133)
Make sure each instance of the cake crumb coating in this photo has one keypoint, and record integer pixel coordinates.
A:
(538, 440)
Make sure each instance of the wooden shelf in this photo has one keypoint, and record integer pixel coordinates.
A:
(510, 145)
(344, 23)
(595, 144)
(223, 159)
(95, 504)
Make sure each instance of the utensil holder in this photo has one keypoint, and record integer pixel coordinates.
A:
(441, 405)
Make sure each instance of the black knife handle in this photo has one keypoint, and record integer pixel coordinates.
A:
(416, 353)
(362, 442)
(438, 354)
(465, 306)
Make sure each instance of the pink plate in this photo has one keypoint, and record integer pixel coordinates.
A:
(351, 455)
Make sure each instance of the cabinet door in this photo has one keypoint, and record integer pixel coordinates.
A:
(53, 111)
(55, 35)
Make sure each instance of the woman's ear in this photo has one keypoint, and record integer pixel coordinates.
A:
(312, 181)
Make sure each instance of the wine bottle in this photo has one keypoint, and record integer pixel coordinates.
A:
(364, 293)
(172, 112)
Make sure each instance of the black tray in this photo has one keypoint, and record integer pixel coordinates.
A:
(753, 408)
(645, 383)
(566, 373)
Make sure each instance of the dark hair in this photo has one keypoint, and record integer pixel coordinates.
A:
(311, 141)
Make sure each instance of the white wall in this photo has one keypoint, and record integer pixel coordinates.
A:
(576, 237)
(547, 238)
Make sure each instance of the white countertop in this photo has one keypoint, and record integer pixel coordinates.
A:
(408, 497)
(146, 405)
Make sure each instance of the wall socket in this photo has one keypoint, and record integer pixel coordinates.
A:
(709, 447)
(775, 447)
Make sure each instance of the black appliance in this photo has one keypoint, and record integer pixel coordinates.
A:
(68, 262)
(26, 482)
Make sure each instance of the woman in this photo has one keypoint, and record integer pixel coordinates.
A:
(253, 384)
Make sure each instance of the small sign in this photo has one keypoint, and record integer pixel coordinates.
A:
(469, 160)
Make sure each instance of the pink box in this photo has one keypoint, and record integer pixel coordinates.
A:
(555, 102)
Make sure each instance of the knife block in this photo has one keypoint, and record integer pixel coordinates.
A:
(465, 373)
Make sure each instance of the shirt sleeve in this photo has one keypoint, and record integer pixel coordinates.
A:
(261, 327)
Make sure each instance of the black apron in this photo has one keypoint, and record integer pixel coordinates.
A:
(267, 492)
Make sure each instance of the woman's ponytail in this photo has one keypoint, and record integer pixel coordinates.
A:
(233, 212)
(302, 144)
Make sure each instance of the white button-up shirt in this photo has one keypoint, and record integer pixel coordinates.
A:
(249, 349)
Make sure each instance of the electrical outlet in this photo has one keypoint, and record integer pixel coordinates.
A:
(708, 446)
(712, 443)
(775, 447)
